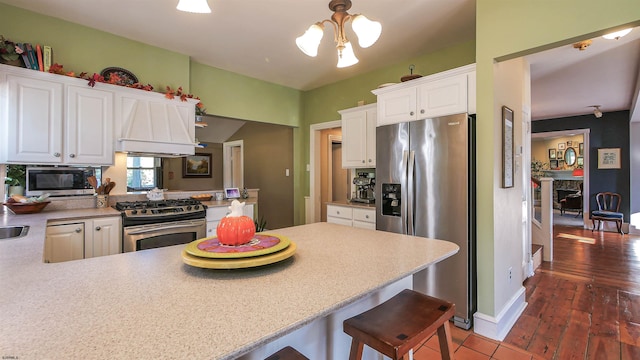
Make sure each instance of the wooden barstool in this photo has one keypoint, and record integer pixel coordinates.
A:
(399, 324)
(287, 353)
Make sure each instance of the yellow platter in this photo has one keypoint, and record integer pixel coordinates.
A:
(262, 244)
(238, 263)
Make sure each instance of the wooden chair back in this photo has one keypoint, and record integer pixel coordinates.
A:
(608, 201)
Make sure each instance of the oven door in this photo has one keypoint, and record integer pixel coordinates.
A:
(152, 236)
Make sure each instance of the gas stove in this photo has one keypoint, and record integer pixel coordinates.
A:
(148, 212)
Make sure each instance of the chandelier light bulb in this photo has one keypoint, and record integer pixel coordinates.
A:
(194, 6)
(309, 42)
(346, 57)
(617, 35)
(367, 31)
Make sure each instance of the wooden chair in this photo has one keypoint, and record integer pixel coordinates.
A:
(608, 210)
(287, 353)
(401, 323)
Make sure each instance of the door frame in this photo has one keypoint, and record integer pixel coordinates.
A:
(228, 163)
(315, 202)
(585, 179)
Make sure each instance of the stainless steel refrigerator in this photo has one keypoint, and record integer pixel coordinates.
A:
(425, 177)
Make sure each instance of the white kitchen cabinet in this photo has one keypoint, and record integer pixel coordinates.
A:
(89, 126)
(53, 119)
(148, 122)
(83, 238)
(103, 236)
(341, 215)
(446, 93)
(216, 213)
(364, 218)
(32, 117)
(352, 216)
(359, 136)
(64, 242)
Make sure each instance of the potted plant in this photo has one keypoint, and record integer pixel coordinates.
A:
(200, 111)
(16, 179)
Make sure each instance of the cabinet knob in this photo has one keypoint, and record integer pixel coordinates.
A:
(338, 212)
(78, 230)
(363, 161)
(98, 228)
(422, 111)
(370, 160)
(56, 154)
(366, 216)
(411, 113)
(72, 155)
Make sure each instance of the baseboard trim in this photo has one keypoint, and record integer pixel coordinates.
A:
(497, 328)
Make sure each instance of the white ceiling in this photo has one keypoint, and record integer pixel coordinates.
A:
(256, 38)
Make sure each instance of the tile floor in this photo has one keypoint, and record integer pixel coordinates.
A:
(470, 346)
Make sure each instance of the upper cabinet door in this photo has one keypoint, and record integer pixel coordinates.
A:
(372, 122)
(442, 97)
(354, 139)
(397, 106)
(34, 120)
(89, 128)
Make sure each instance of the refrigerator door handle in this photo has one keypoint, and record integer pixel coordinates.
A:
(403, 193)
(410, 193)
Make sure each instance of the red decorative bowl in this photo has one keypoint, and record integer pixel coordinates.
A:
(26, 208)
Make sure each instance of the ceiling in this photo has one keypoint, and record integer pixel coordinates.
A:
(256, 38)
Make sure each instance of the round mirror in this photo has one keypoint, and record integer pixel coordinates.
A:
(570, 156)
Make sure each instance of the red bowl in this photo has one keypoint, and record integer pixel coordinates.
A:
(26, 208)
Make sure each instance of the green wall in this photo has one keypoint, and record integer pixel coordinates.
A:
(507, 29)
(82, 49)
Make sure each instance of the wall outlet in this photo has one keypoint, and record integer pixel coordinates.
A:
(510, 274)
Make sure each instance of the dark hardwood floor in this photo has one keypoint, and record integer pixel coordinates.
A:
(586, 303)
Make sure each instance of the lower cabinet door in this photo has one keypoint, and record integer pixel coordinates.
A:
(339, 221)
(364, 225)
(64, 243)
(106, 239)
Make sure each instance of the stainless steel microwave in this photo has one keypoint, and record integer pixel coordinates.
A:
(59, 181)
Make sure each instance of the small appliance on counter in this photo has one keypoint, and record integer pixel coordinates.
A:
(365, 184)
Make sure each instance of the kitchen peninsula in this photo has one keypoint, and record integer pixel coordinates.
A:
(149, 304)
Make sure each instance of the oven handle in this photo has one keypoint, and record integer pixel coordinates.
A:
(164, 227)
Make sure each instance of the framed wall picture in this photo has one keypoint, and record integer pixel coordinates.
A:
(552, 153)
(580, 161)
(609, 158)
(560, 154)
(561, 164)
(508, 158)
(580, 149)
(569, 143)
(562, 146)
(196, 166)
(553, 164)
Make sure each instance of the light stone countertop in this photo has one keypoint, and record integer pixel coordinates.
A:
(149, 304)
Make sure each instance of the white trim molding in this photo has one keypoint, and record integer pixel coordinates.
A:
(497, 328)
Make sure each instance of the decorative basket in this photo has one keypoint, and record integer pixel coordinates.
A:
(26, 208)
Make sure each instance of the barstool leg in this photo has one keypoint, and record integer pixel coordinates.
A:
(444, 338)
(356, 350)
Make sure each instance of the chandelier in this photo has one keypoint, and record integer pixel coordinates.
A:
(367, 31)
(194, 6)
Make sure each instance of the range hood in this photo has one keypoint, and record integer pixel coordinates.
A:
(152, 124)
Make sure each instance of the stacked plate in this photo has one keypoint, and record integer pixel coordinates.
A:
(263, 249)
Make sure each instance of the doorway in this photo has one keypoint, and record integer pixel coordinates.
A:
(550, 148)
(233, 164)
(318, 136)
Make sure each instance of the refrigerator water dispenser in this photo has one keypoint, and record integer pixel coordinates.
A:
(391, 195)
